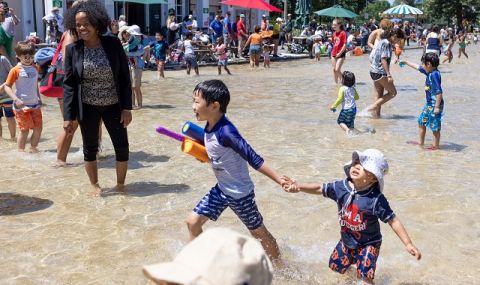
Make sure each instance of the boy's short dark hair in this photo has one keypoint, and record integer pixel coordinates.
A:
(431, 58)
(23, 48)
(348, 78)
(160, 33)
(214, 91)
(189, 35)
(257, 29)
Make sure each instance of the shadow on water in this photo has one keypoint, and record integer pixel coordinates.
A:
(399, 117)
(16, 204)
(453, 147)
(145, 188)
(406, 88)
(139, 159)
(72, 150)
(157, 106)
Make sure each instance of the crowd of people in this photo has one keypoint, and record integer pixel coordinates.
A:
(103, 62)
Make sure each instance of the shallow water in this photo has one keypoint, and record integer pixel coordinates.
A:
(52, 232)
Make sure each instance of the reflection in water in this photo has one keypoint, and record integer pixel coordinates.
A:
(284, 114)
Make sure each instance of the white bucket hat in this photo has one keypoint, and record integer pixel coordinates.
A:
(373, 161)
(134, 30)
(218, 256)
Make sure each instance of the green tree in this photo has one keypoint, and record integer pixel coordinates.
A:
(408, 2)
(375, 9)
(461, 11)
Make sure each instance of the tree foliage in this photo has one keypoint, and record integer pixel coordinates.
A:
(375, 9)
(463, 11)
(408, 2)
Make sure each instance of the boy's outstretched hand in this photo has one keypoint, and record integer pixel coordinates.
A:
(289, 185)
(413, 251)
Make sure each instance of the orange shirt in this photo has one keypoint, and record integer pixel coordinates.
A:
(256, 39)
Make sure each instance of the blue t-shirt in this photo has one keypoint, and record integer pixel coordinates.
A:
(359, 222)
(228, 154)
(217, 27)
(433, 86)
(160, 49)
(226, 26)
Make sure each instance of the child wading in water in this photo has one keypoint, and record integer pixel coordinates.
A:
(317, 48)
(160, 48)
(266, 55)
(347, 94)
(26, 98)
(361, 204)
(190, 57)
(448, 49)
(462, 44)
(221, 50)
(432, 112)
(228, 154)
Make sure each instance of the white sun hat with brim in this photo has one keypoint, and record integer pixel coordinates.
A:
(121, 30)
(373, 161)
(134, 30)
(218, 256)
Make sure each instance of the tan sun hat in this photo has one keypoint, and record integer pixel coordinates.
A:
(373, 161)
(218, 256)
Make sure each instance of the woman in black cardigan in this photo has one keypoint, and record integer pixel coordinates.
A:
(97, 86)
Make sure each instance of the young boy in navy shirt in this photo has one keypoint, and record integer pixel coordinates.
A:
(228, 154)
(361, 204)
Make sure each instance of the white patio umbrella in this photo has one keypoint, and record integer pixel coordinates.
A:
(402, 10)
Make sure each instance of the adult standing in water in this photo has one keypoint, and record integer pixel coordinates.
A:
(374, 37)
(64, 139)
(8, 21)
(97, 87)
(434, 42)
(339, 49)
(380, 69)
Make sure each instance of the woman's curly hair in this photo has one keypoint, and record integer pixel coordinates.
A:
(96, 13)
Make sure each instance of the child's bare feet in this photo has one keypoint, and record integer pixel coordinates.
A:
(96, 190)
(60, 163)
(34, 149)
(121, 188)
(432, 148)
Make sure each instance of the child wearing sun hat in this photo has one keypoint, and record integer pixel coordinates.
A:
(361, 204)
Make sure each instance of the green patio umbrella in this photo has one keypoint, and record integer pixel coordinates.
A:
(336, 11)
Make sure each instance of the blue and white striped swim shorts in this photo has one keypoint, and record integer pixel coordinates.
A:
(215, 202)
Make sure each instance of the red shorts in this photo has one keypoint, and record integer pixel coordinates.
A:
(29, 119)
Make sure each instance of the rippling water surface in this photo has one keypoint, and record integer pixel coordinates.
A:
(53, 233)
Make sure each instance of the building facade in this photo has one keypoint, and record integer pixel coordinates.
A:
(149, 17)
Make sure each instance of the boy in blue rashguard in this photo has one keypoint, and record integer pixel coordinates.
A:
(228, 154)
(432, 113)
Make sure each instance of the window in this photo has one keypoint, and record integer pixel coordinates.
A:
(179, 10)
